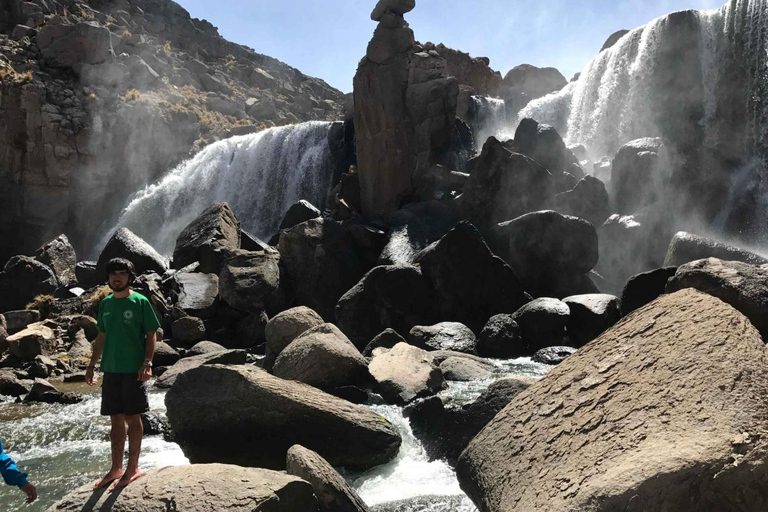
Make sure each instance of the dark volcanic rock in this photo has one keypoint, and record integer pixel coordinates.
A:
(501, 338)
(686, 247)
(67, 45)
(543, 144)
(198, 293)
(657, 371)
(548, 250)
(387, 338)
(60, 256)
(405, 373)
(525, 83)
(542, 323)
(299, 212)
(613, 39)
(215, 230)
(322, 357)
(446, 431)
(168, 379)
(125, 244)
(333, 492)
(414, 227)
(503, 186)
(86, 274)
(743, 286)
(22, 279)
(639, 173)
(471, 284)
(285, 327)
(260, 417)
(396, 297)
(444, 336)
(587, 200)
(591, 315)
(165, 355)
(644, 288)
(553, 355)
(250, 281)
(321, 263)
(204, 347)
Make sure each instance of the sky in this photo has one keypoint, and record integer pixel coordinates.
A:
(327, 38)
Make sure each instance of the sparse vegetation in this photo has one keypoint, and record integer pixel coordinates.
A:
(127, 33)
(167, 48)
(16, 78)
(110, 19)
(95, 300)
(132, 95)
(86, 15)
(44, 304)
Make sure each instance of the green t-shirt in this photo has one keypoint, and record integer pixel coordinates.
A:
(126, 322)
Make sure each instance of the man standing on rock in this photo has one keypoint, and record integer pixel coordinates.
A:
(127, 336)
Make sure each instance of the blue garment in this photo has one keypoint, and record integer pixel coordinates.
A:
(10, 472)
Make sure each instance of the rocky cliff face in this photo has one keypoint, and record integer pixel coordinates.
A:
(98, 98)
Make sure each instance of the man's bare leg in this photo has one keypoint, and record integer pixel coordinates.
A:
(135, 433)
(117, 437)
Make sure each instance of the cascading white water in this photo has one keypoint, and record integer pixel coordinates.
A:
(259, 175)
(490, 119)
(609, 104)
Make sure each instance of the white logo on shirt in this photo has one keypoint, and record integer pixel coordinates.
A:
(128, 315)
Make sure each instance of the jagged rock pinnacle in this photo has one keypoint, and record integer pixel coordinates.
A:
(396, 6)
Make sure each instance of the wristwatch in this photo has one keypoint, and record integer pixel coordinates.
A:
(147, 363)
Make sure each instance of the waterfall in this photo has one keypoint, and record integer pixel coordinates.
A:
(490, 117)
(260, 175)
(697, 79)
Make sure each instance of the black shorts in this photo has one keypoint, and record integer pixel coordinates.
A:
(122, 393)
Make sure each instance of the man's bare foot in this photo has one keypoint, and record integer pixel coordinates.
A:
(114, 474)
(127, 478)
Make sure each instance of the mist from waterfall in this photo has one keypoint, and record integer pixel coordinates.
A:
(260, 175)
(490, 117)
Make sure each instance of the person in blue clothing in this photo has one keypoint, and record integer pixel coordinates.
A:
(13, 476)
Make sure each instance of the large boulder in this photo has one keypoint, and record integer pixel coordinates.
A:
(462, 369)
(743, 286)
(187, 331)
(198, 293)
(470, 283)
(35, 340)
(203, 348)
(250, 281)
(590, 315)
(285, 327)
(167, 379)
(333, 493)
(445, 431)
(299, 212)
(394, 6)
(322, 357)
(639, 174)
(65, 46)
(208, 239)
(503, 186)
(125, 244)
(542, 323)
(644, 288)
(165, 355)
(525, 83)
(686, 247)
(587, 200)
(22, 279)
(543, 144)
(19, 319)
(10, 385)
(412, 228)
(544, 247)
(444, 336)
(260, 417)
(668, 401)
(321, 263)
(387, 338)
(60, 256)
(501, 338)
(396, 296)
(199, 488)
(405, 373)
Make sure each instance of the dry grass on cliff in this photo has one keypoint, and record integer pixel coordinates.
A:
(8, 74)
(44, 304)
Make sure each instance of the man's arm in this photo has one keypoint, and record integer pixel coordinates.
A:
(98, 349)
(146, 370)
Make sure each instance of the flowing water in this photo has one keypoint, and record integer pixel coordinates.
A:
(490, 117)
(260, 175)
(62, 447)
